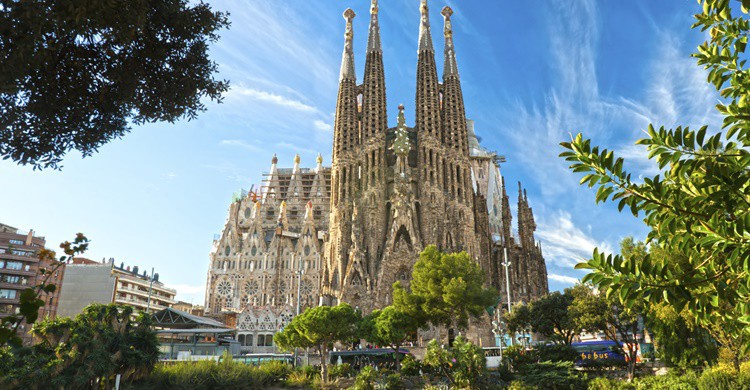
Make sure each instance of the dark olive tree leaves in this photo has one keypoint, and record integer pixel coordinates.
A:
(74, 75)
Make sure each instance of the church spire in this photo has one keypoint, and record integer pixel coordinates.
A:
(373, 93)
(373, 41)
(451, 68)
(425, 37)
(347, 58)
(454, 113)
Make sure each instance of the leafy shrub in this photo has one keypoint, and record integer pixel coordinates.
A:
(206, 375)
(552, 376)
(277, 371)
(463, 364)
(556, 353)
(365, 380)
(517, 356)
(410, 366)
(602, 383)
(343, 370)
(520, 385)
(719, 378)
(673, 380)
(393, 382)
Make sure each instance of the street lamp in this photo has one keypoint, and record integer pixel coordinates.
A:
(150, 288)
(506, 264)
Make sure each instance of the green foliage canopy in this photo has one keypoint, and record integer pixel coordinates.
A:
(699, 205)
(74, 74)
(102, 341)
(321, 327)
(389, 327)
(446, 289)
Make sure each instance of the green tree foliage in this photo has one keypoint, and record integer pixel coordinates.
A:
(596, 312)
(30, 300)
(679, 341)
(93, 347)
(320, 327)
(73, 75)
(464, 364)
(446, 290)
(518, 319)
(699, 205)
(389, 327)
(552, 318)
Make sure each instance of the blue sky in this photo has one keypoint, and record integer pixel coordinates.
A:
(532, 73)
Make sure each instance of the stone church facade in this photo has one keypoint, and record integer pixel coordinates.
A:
(357, 227)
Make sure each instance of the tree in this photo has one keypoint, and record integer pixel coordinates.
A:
(320, 326)
(446, 290)
(679, 341)
(698, 206)
(518, 319)
(595, 312)
(74, 75)
(389, 327)
(29, 300)
(89, 350)
(551, 316)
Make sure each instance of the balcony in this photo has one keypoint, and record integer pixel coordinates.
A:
(138, 303)
(154, 294)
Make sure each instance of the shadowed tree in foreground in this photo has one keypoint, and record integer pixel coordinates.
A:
(75, 75)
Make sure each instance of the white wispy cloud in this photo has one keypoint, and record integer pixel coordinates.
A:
(564, 244)
(295, 148)
(564, 279)
(242, 144)
(322, 126)
(269, 97)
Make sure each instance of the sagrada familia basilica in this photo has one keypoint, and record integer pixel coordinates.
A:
(347, 232)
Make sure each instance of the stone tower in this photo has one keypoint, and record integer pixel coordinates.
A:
(346, 233)
(397, 190)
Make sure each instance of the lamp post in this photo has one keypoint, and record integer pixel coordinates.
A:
(150, 288)
(300, 272)
(506, 264)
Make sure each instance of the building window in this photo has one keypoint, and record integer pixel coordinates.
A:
(265, 340)
(8, 294)
(16, 265)
(16, 242)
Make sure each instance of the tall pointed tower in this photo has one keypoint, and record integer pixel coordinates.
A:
(345, 167)
(432, 161)
(373, 153)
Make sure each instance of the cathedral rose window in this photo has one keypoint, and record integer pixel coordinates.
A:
(251, 287)
(224, 288)
(306, 287)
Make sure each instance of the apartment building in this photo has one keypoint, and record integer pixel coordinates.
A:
(88, 281)
(20, 269)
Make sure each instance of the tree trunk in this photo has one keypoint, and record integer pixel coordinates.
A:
(397, 356)
(324, 362)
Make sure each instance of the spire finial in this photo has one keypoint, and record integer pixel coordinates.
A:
(296, 159)
(373, 41)
(401, 144)
(425, 38)
(450, 68)
(319, 159)
(274, 159)
(347, 60)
